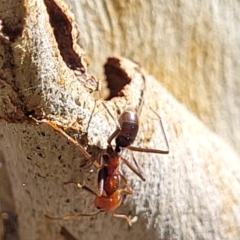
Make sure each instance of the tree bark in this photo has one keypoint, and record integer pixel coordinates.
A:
(191, 47)
(192, 193)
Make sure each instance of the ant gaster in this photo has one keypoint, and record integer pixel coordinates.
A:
(125, 134)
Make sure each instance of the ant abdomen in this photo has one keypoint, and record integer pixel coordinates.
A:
(129, 128)
(108, 203)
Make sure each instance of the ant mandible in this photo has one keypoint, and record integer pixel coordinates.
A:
(108, 181)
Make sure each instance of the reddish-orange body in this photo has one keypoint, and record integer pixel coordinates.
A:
(108, 203)
(108, 180)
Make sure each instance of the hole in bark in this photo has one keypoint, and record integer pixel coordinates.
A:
(116, 77)
(62, 29)
(43, 134)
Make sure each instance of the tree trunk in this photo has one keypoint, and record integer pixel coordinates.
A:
(192, 193)
(192, 47)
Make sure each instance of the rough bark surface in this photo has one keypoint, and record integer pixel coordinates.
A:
(192, 193)
(192, 47)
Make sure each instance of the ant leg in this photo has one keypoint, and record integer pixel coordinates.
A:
(101, 178)
(115, 133)
(125, 191)
(137, 165)
(108, 111)
(67, 217)
(164, 135)
(129, 189)
(80, 147)
(128, 219)
(87, 189)
(90, 119)
(142, 97)
(137, 171)
(148, 150)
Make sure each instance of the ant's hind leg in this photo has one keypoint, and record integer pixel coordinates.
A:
(73, 216)
(149, 150)
(129, 189)
(137, 170)
(128, 219)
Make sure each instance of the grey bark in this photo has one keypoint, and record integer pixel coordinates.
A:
(192, 193)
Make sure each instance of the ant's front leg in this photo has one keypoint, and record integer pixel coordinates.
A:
(67, 217)
(73, 216)
(127, 191)
(148, 150)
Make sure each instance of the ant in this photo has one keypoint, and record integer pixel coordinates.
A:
(108, 181)
(109, 174)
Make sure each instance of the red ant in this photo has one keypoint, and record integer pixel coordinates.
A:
(108, 181)
(108, 175)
